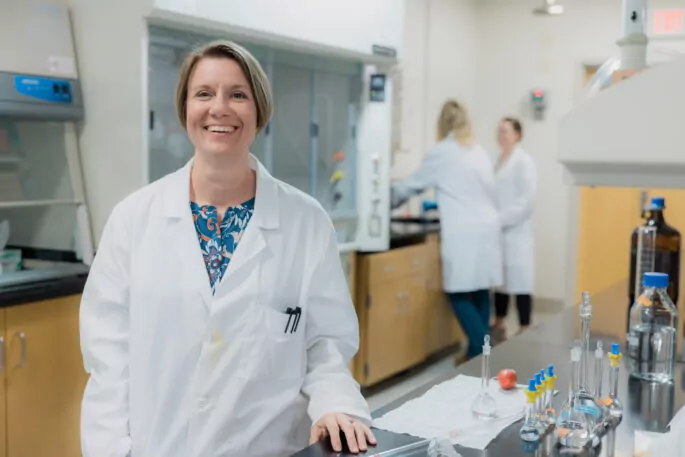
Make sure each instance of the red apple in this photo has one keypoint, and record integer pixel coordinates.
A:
(507, 379)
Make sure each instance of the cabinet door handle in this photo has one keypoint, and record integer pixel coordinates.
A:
(22, 341)
(2, 353)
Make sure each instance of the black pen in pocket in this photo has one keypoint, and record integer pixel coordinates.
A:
(289, 312)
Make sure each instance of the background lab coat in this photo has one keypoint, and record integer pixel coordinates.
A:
(471, 248)
(516, 182)
(177, 372)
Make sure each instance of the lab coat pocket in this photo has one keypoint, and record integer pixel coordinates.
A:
(283, 343)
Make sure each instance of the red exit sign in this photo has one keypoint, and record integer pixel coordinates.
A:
(668, 21)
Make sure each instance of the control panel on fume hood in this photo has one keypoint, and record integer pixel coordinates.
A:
(46, 89)
(375, 216)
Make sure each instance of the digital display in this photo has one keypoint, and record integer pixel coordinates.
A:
(377, 88)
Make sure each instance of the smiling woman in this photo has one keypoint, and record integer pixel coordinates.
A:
(202, 272)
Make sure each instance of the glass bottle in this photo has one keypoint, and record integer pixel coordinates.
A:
(530, 431)
(572, 429)
(485, 406)
(613, 403)
(652, 335)
(667, 252)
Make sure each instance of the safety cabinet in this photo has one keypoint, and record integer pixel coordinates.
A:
(403, 314)
(42, 380)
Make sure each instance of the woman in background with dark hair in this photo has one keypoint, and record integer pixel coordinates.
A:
(516, 181)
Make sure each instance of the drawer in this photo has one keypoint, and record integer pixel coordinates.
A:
(397, 263)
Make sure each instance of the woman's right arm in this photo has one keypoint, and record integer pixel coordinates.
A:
(421, 179)
(104, 325)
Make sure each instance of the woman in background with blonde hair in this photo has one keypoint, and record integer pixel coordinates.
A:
(462, 174)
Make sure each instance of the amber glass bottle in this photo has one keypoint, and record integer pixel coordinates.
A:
(667, 255)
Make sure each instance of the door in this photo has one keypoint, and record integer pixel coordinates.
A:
(3, 373)
(45, 379)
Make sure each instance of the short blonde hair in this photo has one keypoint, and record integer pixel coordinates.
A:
(454, 118)
(253, 71)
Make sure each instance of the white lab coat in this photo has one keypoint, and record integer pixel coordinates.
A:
(463, 178)
(516, 182)
(177, 372)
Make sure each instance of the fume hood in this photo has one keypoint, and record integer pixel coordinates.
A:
(41, 188)
(38, 76)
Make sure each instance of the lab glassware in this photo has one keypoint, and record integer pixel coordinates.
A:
(485, 405)
(652, 335)
(540, 402)
(530, 431)
(587, 403)
(603, 422)
(613, 403)
(441, 447)
(665, 252)
(549, 413)
(573, 429)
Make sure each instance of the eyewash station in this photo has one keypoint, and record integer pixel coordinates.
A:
(599, 378)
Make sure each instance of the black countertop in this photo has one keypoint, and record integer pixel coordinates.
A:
(647, 406)
(40, 284)
(407, 231)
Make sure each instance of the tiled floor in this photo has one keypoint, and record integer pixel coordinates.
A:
(395, 388)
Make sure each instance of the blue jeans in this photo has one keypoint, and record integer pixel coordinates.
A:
(473, 311)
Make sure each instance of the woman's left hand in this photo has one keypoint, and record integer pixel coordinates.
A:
(356, 433)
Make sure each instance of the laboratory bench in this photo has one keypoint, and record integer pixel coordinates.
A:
(647, 406)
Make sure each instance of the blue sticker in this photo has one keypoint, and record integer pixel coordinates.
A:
(46, 89)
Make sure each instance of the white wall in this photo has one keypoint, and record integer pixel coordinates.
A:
(112, 52)
(350, 25)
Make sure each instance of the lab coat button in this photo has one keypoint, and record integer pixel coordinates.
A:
(202, 403)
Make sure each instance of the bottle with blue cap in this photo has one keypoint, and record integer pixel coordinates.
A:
(665, 257)
(530, 431)
(652, 333)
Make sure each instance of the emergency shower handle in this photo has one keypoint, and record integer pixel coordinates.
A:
(22, 342)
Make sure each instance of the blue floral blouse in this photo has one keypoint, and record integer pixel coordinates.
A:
(218, 243)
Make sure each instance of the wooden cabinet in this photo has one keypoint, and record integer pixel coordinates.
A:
(3, 395)
(403, 313)
(44, 379)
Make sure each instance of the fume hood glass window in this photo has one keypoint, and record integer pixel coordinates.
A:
(291, 126)
(33, 163)
(335, 113)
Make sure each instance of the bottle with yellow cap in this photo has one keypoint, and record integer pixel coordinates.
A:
(530, 431)
(550, 414)
(612, 402)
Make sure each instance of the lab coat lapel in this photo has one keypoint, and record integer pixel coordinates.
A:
(264, 219)
(183, 236)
